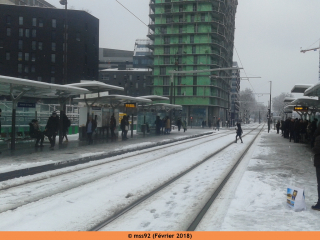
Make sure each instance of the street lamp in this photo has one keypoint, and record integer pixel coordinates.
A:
(269, 118)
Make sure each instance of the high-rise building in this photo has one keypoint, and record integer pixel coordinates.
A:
(32, 3)
(194, 35)
(142, 52)
(32, 44)
(235, 90)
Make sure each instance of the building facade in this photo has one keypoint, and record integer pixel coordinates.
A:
(32, 3)
(32, 44)
(194, 35)
(113, 58)
(235, 90)
(135, 81)
(142, 54)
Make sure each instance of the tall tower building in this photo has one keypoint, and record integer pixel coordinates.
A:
(194, 35)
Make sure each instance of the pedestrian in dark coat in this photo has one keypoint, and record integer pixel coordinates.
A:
(278, 126)
(291, 130)
(316, 150)
(52, 129)
(90, 127)
(36, 133)
(113, 126)
(239, 132)
(123, 126)
(179, 123)
(66, 124)
(158, 123)
(218, 124)
(314, 126)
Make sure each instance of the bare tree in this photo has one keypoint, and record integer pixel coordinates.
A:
(248, 103)
(278, 104)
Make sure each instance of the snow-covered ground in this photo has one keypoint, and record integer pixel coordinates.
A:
(254, 198)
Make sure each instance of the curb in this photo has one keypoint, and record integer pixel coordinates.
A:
(68, 163)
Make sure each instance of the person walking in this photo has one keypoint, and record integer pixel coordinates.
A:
(123, 126)
(36, 133)
(66, 124)
(113, 126)
(218, 124)
(278, 126)
(90, 127)
(179, 123)
(52, 129)
(239, 132)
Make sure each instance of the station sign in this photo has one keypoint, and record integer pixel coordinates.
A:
(26, 105)
(130, 105)
(301, 109)
(96, 108)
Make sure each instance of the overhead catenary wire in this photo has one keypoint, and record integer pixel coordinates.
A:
(131, 13)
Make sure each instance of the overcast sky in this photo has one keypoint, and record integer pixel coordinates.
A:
(268, 37)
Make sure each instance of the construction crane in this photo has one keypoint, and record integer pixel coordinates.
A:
(313, 49)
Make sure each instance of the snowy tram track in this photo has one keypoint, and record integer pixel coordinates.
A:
(17, 191)
(84, 207)
(138, 217)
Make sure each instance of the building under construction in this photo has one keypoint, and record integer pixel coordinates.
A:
(194, 35)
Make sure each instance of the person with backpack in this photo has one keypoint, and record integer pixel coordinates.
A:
(36, 133)
(66, 124)
(239, 132)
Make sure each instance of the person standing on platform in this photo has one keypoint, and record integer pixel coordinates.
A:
(36, 133)
(278, 126)
(239, 132)
(218, 124)
(168, 126)
(52, 129)
(66, 124)
(158, 123)
(179, 123)
(90, 127)
(126, 127)
(123, 126)
(113, 126)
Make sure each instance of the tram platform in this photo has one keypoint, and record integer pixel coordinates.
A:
(256, 198)
(26, 157)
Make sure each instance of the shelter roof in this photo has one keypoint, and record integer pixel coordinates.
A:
(96, 86)
(288, 99)
(113, 99)
(300, 88)
(155, 97)
(35, 89)
(164, 106)
(306, 101)
(313, 91)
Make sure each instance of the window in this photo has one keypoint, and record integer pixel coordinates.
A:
(195, 8)
(195, 80)
(192, 39)
(40, 22)
(19, 68)
(166, 60)
(194, 49)
(53, 58)
(26, 69)
(166, 81)
(20, 20)
(53, 46)
(167, 40)
(165, 91)
(164, 30)
(53, 69)
(54, 23)
(179, 80)
(195, 59)
(194, 91)
(192, 18)
(203, 17)
(7, 55)
(40, 45)
(33, 68)
(78, 36)
(39, 79)
(137, 85)
(180, 39)
(34, 33)
(33, 57)
(53, 79)
(179, 91)
(169, 19)
(8, 19)
(26, 56)
(34, 22)
(34, 45)
(196, 28)
(27, 33)
(163, 71)
(20, 44)
(8, 32)
(166, 50)
(180, 29)
(180, 18)
(20, 32)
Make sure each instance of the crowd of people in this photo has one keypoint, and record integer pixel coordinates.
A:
(163, 126)
(304, 131)
(298, 130)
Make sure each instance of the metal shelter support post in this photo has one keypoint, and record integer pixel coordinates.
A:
(62, 102)
(132, 126)
(13, 118)
(269, 118)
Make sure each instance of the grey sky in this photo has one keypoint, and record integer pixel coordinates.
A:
(268, 37)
